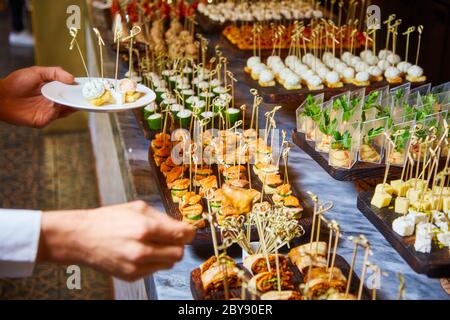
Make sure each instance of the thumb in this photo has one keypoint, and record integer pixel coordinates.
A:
(54, 74)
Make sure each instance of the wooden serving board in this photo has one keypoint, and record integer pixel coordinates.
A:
(434, 265)
(203, 236)
(199, 294)
(361, 170)
(293, 98)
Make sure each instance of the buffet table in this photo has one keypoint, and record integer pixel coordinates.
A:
(131, 151)
(124, 174)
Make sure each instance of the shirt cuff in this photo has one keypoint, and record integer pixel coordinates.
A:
(19, 241)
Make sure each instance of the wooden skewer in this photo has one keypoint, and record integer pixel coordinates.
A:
(419, 30)
(408, 34)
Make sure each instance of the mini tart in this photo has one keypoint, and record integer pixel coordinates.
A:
(314, 88)
(335, 85)
(416, 79)
(297, 87)
(361, 83)
(395, 80)
(348, 80)
(376, 78)
(105, 98)
(247, 70)
(267, 84)
(254, 76)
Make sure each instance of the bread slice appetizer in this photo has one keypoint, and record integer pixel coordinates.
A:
(213, 274)
(268, 281)
(257, 263)
(282, 295)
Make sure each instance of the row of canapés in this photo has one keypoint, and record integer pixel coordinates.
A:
(333, 72)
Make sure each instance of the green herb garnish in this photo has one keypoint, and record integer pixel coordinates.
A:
(372, 134)
(342, 141)
(312, 110)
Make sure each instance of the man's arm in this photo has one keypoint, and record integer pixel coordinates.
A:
(128, 241)
(19, 239)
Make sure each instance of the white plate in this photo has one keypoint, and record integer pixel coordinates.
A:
(71, 96)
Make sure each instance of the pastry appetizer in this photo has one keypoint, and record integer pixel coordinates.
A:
(128, 88)
(257, 263)
(213, 276)
(268, 281)
(96, 92)
(178, 189)
(161, 155)
(415, 74)
(392, 75)
(332, 80)
(192, 210)
(282, 192)
(362, 79)
(207, 183)
(376, 74)
(292, 206)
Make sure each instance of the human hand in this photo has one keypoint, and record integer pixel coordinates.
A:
(21, 101)
(127, 241)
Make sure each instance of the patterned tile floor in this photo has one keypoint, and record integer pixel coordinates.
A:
(49, 172)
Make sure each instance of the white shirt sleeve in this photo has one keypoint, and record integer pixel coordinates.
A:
(19, 241)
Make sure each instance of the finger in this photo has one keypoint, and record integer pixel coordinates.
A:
(165, 230)
(156, 253)
(131, 272)
(64, 111)
(54, 74)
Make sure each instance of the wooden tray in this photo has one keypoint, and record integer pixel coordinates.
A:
(361, 170)
(203, 236)
(435, 264)
(209, 26)
(199, 294)
(293, 98)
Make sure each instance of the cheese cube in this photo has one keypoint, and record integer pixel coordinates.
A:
(444, 238)
(438, 216)
(446, 205)
(417, 217)
(400, 187)
(417, 184)
(414, 195)
(443, 225)
(423, 205)
(423, 244)
(403, 226)
(381, 199)
(436, 202)
(384, 187)
(437, 190)
(424, 229)
(401, 205)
